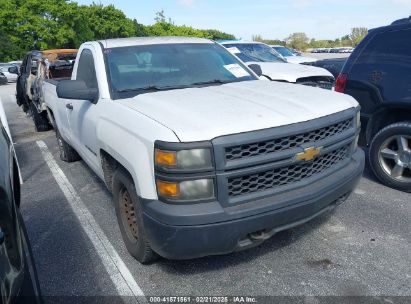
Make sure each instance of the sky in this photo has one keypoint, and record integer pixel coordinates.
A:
(273, 19)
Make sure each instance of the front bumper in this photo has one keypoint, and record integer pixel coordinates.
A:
(184, 232)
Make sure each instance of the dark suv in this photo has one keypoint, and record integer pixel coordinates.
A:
(378, 75)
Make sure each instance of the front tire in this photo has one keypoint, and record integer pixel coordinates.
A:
(130, 217)
(390, 156)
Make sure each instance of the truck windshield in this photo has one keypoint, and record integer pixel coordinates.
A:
(254, 52)
(138, 69)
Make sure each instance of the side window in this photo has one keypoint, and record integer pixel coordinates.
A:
(387, 47)
(86, 70)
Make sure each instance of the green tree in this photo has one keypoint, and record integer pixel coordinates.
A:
(160, 17)
(259, 38)
(357, 34)
(107, 22)
(217, 35)
(140, 29)
(44, 24)
(346, 40)
(298, 41)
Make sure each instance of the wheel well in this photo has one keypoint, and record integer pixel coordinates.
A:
(386, 117)
(109, 165)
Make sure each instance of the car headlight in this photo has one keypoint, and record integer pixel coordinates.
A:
(190, 190)
(184, 172)
(191, 159)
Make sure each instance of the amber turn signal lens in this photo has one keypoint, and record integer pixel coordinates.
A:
(165, 158)
(168, 189)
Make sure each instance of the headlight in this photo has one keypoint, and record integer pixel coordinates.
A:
(191, 190)
(193, 159)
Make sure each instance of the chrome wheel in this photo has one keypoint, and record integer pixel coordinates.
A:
(395, 157)
(128, 215)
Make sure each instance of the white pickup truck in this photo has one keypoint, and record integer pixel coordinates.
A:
(202, 158)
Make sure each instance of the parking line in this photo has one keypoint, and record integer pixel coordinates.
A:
(119, 273)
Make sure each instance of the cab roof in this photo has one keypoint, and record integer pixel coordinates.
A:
(398, 24)
(240, 42)
(122, 42)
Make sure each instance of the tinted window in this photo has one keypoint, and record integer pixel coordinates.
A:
(166, 66)
(390, 47)
(86, 70)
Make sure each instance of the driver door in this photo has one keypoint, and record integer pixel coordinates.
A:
(82, 114)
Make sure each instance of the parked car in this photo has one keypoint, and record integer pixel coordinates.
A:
(10, 71)
(290, 56)
(16, 63)
(37, 66)
(277, 69)
(202, 158)
(378, 75)
(18, 277)
(296, 52)
(3, 79)
(334, 66)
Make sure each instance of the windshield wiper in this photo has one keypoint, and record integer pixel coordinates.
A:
(147, 88)
(215, 81)
(157, 88)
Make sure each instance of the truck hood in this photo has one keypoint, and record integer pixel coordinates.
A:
(290, 72)
(197, 114)
(300, 59)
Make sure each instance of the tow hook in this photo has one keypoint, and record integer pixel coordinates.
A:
(260, 235)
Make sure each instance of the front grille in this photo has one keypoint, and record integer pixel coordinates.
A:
(285, 175)
(284, 143)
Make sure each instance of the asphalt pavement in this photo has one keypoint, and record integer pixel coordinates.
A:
(361, 249)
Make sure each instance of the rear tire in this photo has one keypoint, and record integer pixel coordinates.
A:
(130, 217)
(390, 156)
(67, 153)
(41, 122)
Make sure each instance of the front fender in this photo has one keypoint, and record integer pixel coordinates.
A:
(130, 141)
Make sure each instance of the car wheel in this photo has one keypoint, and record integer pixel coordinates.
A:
(130, 217)
(40, 119)
(67, 153)
(390, 156)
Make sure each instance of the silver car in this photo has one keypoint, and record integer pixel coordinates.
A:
(11, 72)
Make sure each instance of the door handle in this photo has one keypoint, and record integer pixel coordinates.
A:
(69, 106)
(2, 237)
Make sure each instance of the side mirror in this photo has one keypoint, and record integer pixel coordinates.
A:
(13, 70)
(256, 68)
(76, 89)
